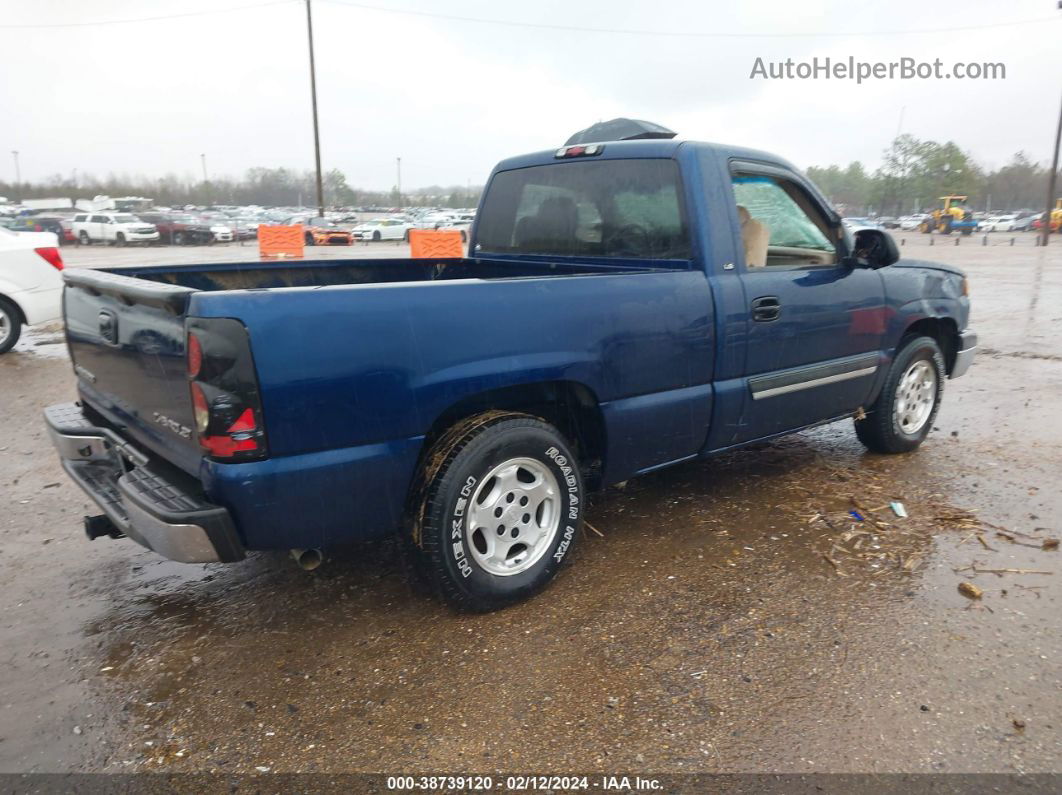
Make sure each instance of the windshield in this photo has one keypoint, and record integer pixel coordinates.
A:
(604, 208)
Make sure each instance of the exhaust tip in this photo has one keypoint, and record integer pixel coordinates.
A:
(308, 559)
(99, 526)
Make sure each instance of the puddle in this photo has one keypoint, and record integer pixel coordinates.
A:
(46, 341)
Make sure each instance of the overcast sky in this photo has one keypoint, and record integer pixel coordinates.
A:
(451, 97)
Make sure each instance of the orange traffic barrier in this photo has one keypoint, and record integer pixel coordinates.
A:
(280, 241)
(436, 244)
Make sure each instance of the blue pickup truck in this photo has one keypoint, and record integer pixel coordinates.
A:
(625, 305)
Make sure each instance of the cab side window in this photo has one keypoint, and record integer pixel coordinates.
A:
(780, 227)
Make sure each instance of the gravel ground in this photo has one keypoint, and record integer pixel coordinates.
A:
(726, 616)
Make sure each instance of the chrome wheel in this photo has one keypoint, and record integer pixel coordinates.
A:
(5, 326)
(513, 516)
(915, 396)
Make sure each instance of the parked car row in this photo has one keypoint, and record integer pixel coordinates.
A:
(1018, 221)
(204, 226)
(1010, 222)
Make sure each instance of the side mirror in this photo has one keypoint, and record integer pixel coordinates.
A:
(875, 248)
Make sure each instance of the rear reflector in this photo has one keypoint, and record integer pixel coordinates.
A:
(51, 255)
(201, 408)
(195, 356)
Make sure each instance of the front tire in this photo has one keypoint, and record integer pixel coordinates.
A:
(903, 414)
(376, 236)
(10, 325)
(83, 239)
(496, 510)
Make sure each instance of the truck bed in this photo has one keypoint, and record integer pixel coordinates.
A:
(357, 360)
(331, 272)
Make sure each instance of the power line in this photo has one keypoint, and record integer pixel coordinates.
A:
(681, 33)
(99, 22)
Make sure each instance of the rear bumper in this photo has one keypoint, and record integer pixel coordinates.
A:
(159, 510)
(965, 355)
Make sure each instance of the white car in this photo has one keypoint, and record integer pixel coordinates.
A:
(461, 224)
(224, 231)
(433, 220)
(909, 223)
(31, 287)
(998, 223)
(383, 229)
(113, 228)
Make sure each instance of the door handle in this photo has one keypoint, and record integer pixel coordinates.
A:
(766, 309)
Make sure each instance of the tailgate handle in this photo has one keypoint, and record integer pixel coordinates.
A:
(108, 324)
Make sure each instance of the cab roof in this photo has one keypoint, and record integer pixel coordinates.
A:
(651, 148)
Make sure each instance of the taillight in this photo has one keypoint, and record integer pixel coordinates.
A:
(51, 255)
(224, 390)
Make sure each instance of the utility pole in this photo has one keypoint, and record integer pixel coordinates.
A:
(1045, 233)
(202, 159)
(398, 164)
(313, 99)
(18, 174)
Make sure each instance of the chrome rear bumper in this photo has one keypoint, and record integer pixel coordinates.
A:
(155, 510)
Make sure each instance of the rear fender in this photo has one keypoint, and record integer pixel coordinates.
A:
(11, 292)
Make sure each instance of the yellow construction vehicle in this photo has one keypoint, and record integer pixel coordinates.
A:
(1056, 218)
(952, 217)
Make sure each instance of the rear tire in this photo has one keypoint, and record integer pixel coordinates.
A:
(496, 510)
(119, 239)
(10, 325)
(178, 238)
(904, 412)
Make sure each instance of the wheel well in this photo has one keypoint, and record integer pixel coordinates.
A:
(944, 330)
(18, 309)
(568, 406)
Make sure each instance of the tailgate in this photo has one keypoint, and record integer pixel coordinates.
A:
(127, 343)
